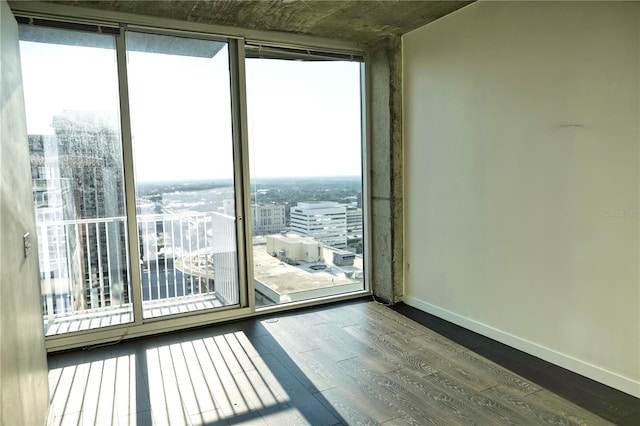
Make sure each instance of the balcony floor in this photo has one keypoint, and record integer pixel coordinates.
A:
(349, 363)
(92, 319)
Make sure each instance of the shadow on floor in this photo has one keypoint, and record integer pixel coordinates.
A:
(604, 401)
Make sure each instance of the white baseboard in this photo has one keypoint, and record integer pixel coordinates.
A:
(583, 368)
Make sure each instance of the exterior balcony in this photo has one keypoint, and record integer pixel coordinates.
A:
(86, 278)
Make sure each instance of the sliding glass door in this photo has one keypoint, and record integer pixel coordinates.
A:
(73, 124)
(149, 148)
(179, 98)
(180, 101)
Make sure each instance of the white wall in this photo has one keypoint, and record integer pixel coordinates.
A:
(24, 387)
(522, 179)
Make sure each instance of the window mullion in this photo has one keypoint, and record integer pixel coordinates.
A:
(127, 151)
(241, 171)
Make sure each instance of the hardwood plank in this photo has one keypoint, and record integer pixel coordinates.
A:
(62, 391)
(251, 395)
(314, 411)
(267, 388)
(341, 315)
(334, 343)
(240, 344)
(482, 405)
(106, 410)
(249, 327)
(221, 383)
(203, 393)
(92, 395)
(512, 359)
(249, 418)
(528, 407)
(632, 420)
(208, 418)
(78, 387)
(395, 356)
(445, 360)
(236, 361)
(242, 354)
(281, 380)
(289, 336)
(186, 384)
(281, 414)
(394, 396)
(139, 418)
(440, 403)
(589, 394)
(69, 419)
(350, 408)
(565, 409)
(371, 389)
(215, 346)
(125, 386)
(303, 319)
(317, 372)
(485, 368)
(376, 323)
(370, 354)
(225, 395)
(401, 324)
(444, 328)
(164, 394)
(404, 421)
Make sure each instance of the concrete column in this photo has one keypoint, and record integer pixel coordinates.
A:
(386, 176)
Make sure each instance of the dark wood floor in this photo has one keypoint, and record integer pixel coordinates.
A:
(608, 403)
(350, 363)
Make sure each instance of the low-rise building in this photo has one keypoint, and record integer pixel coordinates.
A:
(268, 218)
(294, 248)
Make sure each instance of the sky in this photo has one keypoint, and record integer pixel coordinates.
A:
(304, 117)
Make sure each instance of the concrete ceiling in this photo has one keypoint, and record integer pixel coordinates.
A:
(357, 21)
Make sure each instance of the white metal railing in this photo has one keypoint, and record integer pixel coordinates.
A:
(184, 255)
(84, 263)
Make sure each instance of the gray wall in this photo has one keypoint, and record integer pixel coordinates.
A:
(522, 177)
(385, 168)
(23, 363)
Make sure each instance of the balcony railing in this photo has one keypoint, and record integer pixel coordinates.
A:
(185, 260)
(179, 254)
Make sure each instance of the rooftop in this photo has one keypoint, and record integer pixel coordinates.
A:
(283, 283)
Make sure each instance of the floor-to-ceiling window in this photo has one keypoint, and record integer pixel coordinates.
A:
(163, 162)
(305, 144)
(180, 102)
(73, 124)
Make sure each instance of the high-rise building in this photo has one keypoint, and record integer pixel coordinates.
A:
(354, 223)
(79, 201)
(268, 218)
(59, 238)
(326, 221)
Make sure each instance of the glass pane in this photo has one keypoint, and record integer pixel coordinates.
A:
(179, 91)
(306, 178)
(72, 106)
